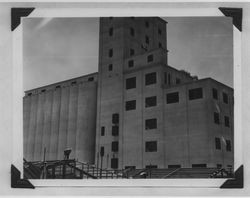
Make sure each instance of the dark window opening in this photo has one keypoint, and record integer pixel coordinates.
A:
(132, 32)
(151, 124)
(43, 90)
(217, 143)
(150, 78)
(199, 165)
(103, 131)
(114, 163)
(90, 78)
(169, 79)
(131, 52)
(174, 166)
(151, 166)
(160, 45)
(218, 165)
(147, 39)
(114, 146)
(130, 105)
(151, 146)
(131, 63)
(73, 83)
(110, 67)
(146, 24)
(115, 118)
(177, 81)
(195, 93)
(216, 118)
(58, 86)
(110, 18)
(228, 145)
(115, 130)
(172, 97)
(131, 83)
(225, 98)
(150, 58)
(226, 118)
(159, 31)
(215, 94)
(29, 94)
(110, 31)
(102, 151)
(150, 101)
(110, 52)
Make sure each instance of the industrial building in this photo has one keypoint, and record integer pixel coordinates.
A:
(136, 112)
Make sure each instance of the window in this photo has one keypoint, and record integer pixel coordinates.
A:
(225, 98)
(172, 97)
(150, 101)
(114, 146)
(90, 78)
(150, 58)
(132, 32)
(174, 166)
(131, 52)
(103, 131)
(195, 93)
(147, 39)
(199, 165)
(151, 166)
(58, 87)
(215, 94)
(160, 45)
(43, 90)
(228, 145)
(102, 151)
(114, 163)
(73, 83)
(115, 118)
(131, 83)
(151, 124)
(150, 78)
(151, 146)
(131, 63)
(226, 119)
(217, 144)
(29, 94)
(130, 105)
(147, 24)
(110, 31)
(110, 67)
(177, 81)
(115, 130)
(110, 52)
(216, 118)
(169, 79)
(159, 31)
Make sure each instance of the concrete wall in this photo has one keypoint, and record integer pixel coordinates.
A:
(61, 117)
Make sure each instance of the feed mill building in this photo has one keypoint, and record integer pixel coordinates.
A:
(137, 111)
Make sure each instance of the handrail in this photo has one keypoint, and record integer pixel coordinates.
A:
(174, 171)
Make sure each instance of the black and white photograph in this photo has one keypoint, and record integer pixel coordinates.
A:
(128, 98)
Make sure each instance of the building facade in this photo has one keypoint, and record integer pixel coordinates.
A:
(141, 111)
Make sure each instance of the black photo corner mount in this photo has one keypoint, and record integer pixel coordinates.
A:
(16, 14)
(237, 181)
(235, 13)
(16, 181)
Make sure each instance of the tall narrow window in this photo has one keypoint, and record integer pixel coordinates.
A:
(228, 145)
(150, 78)
(110, 53)
(217, 143)
(150, 101)
(147, 24)
(115, 118)
(131, 52)
(131, 83)
(102, 151)
(114, 163)
(216, 118)
(111, 31)
(225, 98)
(110, 67)
(150, 58)
(159, 31)
(103, 131)
(151, 124)
(130, 63)
(132, 31)
(151, 146)
(160, 45)
(226, 119)
(147, 39)
(215, 94)
(114, 146)
(195, 93)
(115, 130)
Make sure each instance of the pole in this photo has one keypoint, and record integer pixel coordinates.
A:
(44, 164)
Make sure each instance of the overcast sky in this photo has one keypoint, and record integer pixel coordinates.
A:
(62, 48)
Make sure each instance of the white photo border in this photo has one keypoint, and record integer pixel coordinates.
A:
(17, 34)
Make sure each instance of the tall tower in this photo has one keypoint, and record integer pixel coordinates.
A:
(128, 47)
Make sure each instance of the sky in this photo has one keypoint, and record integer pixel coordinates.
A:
(57, 49)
